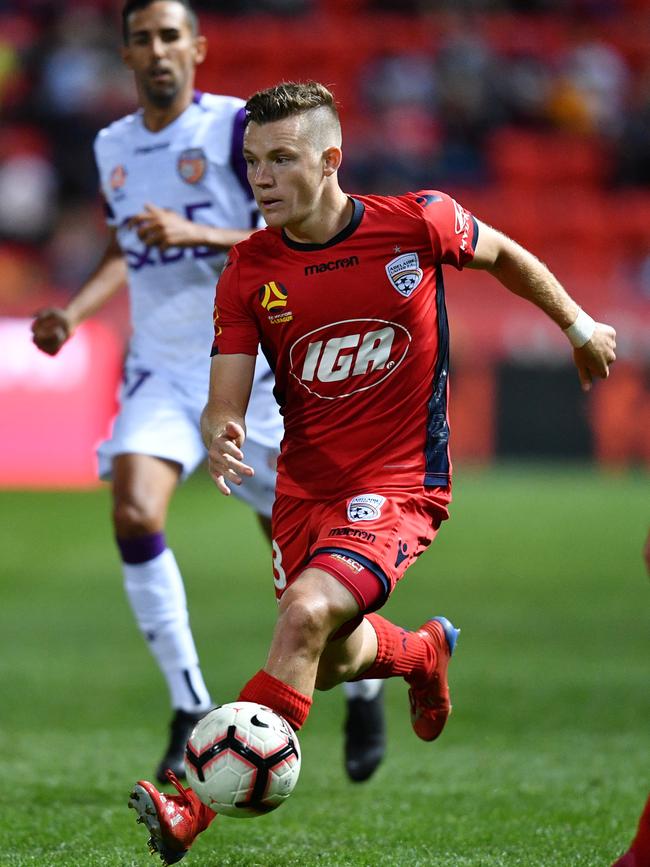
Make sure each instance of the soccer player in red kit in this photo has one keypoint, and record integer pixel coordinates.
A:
(345, 295)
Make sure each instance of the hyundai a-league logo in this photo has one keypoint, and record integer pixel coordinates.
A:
(273, 295)
(365, 507)
(404, 273)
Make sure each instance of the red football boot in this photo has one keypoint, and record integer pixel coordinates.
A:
(430, 705)
(174, 821)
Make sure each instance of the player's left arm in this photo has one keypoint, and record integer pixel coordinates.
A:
(222, 422)
(594, 343)
(162, 227)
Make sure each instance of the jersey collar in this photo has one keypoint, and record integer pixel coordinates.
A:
(357, 215)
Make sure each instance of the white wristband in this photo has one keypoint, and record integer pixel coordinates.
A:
(581, 331)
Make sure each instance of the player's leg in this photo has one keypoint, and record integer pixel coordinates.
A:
(312, 608)
(364, 726)
(307, 616)
(142, 488)
(421, 657)
(306, 652)
(369, 541)
(155, 442)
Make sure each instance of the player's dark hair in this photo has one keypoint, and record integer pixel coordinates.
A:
(132, 6)
(290, 98)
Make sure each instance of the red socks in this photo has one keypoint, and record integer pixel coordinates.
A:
(265, 689)
(279, 696)
(400, 652)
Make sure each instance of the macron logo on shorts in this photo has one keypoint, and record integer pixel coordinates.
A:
(365, 507)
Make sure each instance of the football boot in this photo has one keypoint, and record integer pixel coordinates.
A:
(430, 705)
(180, 730)
(365, 736)
(173, 821)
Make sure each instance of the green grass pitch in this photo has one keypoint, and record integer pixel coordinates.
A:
(545, 760)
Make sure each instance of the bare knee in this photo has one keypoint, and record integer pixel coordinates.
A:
(142, 488)
(132, 518)
(305, 621)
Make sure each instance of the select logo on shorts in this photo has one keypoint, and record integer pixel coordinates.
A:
(365, 507)
(117, 178)
(404, 273)
(352, 564)
(346, 357)
(192, 164)
(273, 298)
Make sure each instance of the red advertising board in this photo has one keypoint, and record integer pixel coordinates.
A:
(54, 410)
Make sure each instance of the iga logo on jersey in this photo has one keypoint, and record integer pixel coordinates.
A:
(404, 273)
(365, 507)
(346, 357)
(191, 165)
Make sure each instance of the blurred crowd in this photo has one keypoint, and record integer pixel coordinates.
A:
(418, 111)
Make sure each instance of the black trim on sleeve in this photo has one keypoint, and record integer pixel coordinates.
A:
(475, 235)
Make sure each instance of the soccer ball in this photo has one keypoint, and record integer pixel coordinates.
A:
(242, 759)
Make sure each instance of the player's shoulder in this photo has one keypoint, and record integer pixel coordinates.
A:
(255, 250)
(264, 242)
(218, 106)
(116, 132)
(412, 204)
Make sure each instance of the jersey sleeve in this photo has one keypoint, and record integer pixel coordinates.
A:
(235, 329)
(109, 214)
(452, 229)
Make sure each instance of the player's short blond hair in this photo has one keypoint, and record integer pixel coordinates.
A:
(292, 98)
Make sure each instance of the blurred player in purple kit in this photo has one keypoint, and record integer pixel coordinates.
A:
(174, 182)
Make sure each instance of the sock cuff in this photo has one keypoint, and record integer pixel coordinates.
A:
(265, 689)
(141, 549)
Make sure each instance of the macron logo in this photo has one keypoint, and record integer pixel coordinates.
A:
(334, 265)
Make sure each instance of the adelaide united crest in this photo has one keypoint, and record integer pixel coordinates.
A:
(192, 164)
(404, 273)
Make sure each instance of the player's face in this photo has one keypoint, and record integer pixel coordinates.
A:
(163, 52)
(285, 170)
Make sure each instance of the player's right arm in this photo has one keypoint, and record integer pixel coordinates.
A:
(52, 326)
(222, 421)
(524, 275)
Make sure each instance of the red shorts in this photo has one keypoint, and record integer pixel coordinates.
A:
(385, 529)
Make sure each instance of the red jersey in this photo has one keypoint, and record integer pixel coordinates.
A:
(356, 333)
